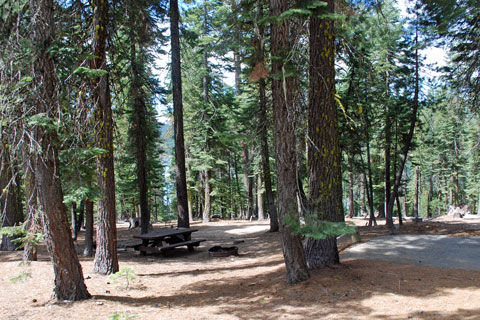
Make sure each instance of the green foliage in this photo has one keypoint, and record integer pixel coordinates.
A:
(122, 315)
(126, 275)
(22, 236)
(42, 120)
(24, 274)
(91, 74)
(316, 228)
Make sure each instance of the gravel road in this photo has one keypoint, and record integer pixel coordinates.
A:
(427, 250)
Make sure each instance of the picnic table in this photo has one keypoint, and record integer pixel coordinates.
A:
(167, 239)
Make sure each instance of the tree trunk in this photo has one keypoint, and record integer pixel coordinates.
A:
(388, 142)
(207, 204)
(32, 223)
(247, 181)
(430, 194)
(362, 195)
(74, 221)
(263, 127)
(260, 198)
(415, 198)
(372, 221)
(180, 175)
(351, 211)
(69, 283)
(139, 115)
(206, 79)
(284, 113)
(399, 209)
(106, 260)
(88, 250)
(324, 159)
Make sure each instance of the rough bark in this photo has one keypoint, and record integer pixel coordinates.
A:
(88, 250)
(106, 260)
(69, 283)
(180, 174)
(324, 158)
(284, 113)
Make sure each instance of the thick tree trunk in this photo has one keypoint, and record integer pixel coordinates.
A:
(69, 283)
(184, 214)
(284, 115)
(88, 250)
(324, 158)
(106, 260)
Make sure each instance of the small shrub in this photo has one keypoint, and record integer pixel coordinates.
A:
(125, 275)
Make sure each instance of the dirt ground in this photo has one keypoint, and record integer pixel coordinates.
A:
(188, 285)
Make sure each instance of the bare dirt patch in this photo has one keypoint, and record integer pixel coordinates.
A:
(252, 285)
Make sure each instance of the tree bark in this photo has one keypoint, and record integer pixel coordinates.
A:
(260, 198)
(69, 283)
(106, 260)
(180, 174)
(74, 221)
(416, 191)
(88, 250)
(284, 113)
(324, 158)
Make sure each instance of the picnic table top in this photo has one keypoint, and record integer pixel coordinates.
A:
(164, 233)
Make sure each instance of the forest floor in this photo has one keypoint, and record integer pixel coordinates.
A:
(252, 285)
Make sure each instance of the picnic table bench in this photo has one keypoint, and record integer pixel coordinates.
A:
(153, 242)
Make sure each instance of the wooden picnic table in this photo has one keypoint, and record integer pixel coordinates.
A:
(167, 239)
